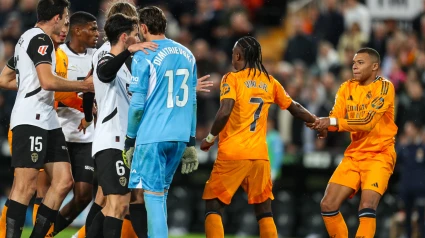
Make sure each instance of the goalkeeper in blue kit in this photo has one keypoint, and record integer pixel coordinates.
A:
(161, 119)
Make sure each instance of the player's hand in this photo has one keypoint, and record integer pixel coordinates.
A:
(84, 124)
(320, 124)
(189, 160)
(127, 153)
(205, 145)
(142, 47)
(89, 86)
(322, 134)
(203, 85)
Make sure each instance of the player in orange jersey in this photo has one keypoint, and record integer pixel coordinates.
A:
(364, 106)
(241, 122)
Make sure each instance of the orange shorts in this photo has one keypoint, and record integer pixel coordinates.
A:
(228, 175)
(371, 172)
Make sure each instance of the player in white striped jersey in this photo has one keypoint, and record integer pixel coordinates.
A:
(111, 79)
(80, 49)
(38, 140)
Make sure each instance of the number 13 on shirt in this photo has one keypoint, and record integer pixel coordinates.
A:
(170, 98)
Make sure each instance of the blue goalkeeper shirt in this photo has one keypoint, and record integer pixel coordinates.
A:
(163, 87)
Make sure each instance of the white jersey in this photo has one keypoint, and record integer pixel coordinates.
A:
(113, 101)
(34, 105)
(79, 65)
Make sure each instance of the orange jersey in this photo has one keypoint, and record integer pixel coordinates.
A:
(368, 113)
(69, 99)
(244, 136)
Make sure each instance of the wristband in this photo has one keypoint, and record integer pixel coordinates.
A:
(210, 138)
(332, 121)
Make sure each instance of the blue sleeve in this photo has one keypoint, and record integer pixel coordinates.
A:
(195, 83)
(139, 88)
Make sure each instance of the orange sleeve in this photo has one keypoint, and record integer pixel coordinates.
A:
(281, 97)
(69, 99)
(339, 108)
(59, 96)
(228, 87)
(382, 100)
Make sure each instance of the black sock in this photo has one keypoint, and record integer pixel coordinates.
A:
(7, 203)
(112, 227)
(139, 219)
(61, 223)
(96, 228)
(44, 220)
(38, 201)
(15, 219)
(94, 210)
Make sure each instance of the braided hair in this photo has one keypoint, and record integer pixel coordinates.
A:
(252, 54)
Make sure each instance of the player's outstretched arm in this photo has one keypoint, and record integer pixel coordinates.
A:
(51, 82)
(298, 111)
(221, 118)
(203, 85)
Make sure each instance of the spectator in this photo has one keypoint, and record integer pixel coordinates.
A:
(357, 12)
(330, 24)
(300, 46)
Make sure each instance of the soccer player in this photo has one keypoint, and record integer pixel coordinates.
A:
(38, 140)
(80, 49)
(364, 106)
(111, 80)
(241, 122)
(163, 116)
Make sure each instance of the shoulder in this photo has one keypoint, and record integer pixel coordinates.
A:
(231, 76)
(347, 84)
(107, 56)
(383, 84)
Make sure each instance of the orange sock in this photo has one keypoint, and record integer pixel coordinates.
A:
(3, 221)
(335, 224)
(81, 233)
(367, 227)
(267, 228)
(127, 229)
(214, 226)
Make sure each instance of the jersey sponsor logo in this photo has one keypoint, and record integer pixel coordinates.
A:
(42, 50)
(225, 89)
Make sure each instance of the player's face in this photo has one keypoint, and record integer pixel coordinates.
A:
(133, 38)
(363, 66)
(90, 34)
(62, 22)
(61, 37)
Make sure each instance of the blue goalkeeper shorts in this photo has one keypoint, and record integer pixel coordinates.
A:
(154, 165)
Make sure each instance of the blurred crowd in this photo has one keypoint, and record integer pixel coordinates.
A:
(311, 57)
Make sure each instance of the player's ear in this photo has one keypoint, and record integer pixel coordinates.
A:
(375, 66)
(57, 18)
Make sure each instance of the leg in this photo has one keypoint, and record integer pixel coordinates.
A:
(43, 184)
(214, 209)
(24, 188)
(4, 210)
(367, 213)
(138, 214)
(82, 171)
(127, 228)
(116, 208)
(99, 203)
(263, 212)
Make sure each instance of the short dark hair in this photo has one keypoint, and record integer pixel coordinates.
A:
(372, 53)
(47, 9)
(81, 18)
(154, 18)
(117, 25)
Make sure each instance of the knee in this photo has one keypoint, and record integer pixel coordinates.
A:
(326, 205)
(137, 196)
(63, 186)
(368, 205)
(83, 198)
(26, 189)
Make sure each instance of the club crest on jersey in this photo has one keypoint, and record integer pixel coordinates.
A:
(225, 89)
(42, 50)
(123, 181)
(34, 157)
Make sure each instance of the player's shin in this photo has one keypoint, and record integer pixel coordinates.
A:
(367, 227)
(94, 210)
(45, 218)
(37, 202)
(112, 227)
(15, 219)
(157, 222)
(335, 224)
(3, 219)
(267, 226)
(213, 224)
(96, 228)
(139, 219)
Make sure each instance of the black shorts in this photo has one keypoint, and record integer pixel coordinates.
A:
(112, 173)
(32, 147)
(81, 161)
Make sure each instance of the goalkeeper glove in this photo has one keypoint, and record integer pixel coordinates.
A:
(190, 158)
(127, 153)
